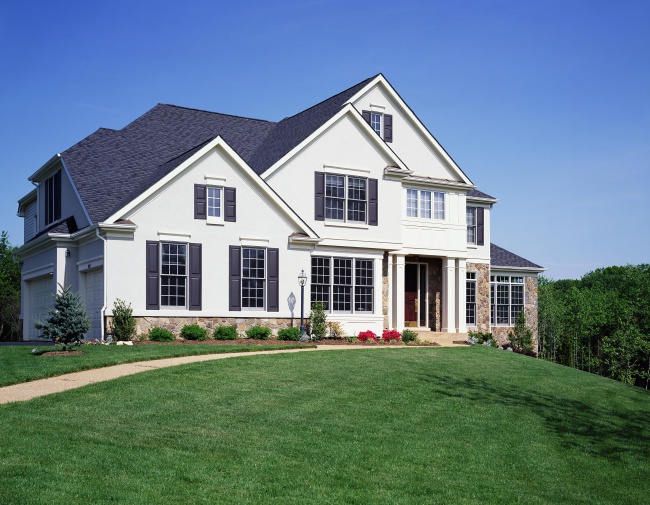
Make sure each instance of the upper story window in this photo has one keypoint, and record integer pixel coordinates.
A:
(53, 198)
(381, 123)
(214, 202)
(475, 217)
(419, 203)
(506, 299)
(346, 198)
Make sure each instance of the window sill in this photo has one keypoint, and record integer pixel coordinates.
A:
(338, 224)
(214, 221)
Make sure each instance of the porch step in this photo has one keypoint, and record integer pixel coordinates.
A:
(442, 338)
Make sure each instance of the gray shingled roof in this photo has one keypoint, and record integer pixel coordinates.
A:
(500, 257)
(124, 163)
(479, 194)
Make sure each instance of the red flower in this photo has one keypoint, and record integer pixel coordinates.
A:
(367, 335)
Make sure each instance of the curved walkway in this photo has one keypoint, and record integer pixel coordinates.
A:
(41, 387)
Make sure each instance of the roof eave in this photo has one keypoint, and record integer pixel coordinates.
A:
(36, 176)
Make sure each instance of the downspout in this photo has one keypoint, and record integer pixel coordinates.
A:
(103, 310)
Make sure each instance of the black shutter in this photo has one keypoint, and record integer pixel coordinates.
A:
(480, 227)
(234, 289)
(200, 201)
(48, 198)
(195, 276)
(366, 116)
(57, 196)
(153, 255)
(388, 128)
(319, 196)
(373, 202)
(272, 280)
(230, 204)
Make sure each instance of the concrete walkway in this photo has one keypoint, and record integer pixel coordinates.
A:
(28, 390)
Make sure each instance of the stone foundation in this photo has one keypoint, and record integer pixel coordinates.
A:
(482, 296)
(175, 324)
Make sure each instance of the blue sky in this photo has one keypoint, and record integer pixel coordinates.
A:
(544, 104)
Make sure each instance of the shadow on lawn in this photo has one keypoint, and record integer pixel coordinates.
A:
(602, 432)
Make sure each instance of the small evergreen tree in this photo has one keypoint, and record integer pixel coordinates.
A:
(68, 322)
(521, 339)
(318, 321)
(123, 323)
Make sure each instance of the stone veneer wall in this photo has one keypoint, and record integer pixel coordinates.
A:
(175, 324)
(482, 296)
(530, 306)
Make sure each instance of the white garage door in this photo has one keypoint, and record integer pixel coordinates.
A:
(94, 301)
(40, 297)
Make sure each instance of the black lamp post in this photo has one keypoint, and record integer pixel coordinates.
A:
(302, 280)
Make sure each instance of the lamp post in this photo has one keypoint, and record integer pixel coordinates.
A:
(302, 280)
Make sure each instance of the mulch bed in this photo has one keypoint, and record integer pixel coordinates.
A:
(248, 341)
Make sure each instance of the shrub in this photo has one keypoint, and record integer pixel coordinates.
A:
(364, 336)
(225, 333)
(335, 329)
(318, 321)
(259, 333)
(160, 335)
(289, 334)
(67, 322)
(388, 335)
(193, 332)
(521, 339)
(487, 339)
(409, 336)
(123, 323)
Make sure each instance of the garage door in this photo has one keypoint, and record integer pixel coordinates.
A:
(94, 301)
(40, 297)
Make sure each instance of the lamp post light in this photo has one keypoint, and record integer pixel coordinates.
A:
(302, 280)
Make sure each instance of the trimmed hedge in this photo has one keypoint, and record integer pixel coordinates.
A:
(259, 333)
(225, 333)
(292, 334)
(160, 335)
(194, 332)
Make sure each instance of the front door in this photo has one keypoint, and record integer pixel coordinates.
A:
(415, 295)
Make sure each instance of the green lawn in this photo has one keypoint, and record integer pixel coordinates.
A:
(391, 426)
(18, 364)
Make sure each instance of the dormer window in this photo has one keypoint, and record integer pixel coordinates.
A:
(380, 122)
(53, 198)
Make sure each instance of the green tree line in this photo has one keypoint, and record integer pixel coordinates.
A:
(9, 291)
(599, 323)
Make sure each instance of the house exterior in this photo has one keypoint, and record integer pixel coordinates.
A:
(194, 216)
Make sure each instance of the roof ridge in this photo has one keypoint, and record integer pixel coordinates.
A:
(213, 112)
(333, 96)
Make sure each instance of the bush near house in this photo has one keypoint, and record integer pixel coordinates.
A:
(521, 337)
(225, 333)
(318, 321)
(391, 335)
(335, 329)
(194, 332)
(123, 322)
(259, 333)
(291, 334)
(475, 337)
(409, 336)
(67, 322)
(160, 335)
(364, 336)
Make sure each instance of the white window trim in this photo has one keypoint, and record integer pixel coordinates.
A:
(264, 279)
(418, 208)
(214, 220)
(345, 222)
(353, 260)
(494, 282)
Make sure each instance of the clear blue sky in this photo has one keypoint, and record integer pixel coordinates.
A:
(544, 104)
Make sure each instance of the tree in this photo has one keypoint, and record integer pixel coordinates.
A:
(521, 338)
(68, 322)
(9, 291)
(123, 323)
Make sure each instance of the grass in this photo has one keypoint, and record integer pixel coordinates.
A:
(399, 426)
(18, 364)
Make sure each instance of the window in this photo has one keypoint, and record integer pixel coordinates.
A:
(350, 282)
(471, 225)
(506, 299)
(214, 202)
(252, 278)
(418, 204)
(346, 198)
(173, 278)
(470, 298)
(375, 122)
(52, 198)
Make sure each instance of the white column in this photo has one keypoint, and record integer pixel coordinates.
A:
(461, 294)
(449, 295)
(59, 269)
(399, 271)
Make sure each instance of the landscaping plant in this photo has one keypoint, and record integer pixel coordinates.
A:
(521, 338)
(365, 336)
(225, 333)
(160, 335)
(193, 332)
(335, 329)
(258, 333)
(67, 322)
(123, 322)
(318, 321)
(292, 334)
(391, 335)
(409, 336)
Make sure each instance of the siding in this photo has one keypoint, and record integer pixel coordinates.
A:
(29, 221)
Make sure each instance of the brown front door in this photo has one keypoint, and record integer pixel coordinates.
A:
(411, 295)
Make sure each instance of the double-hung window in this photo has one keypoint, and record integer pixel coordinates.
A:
(343, 284)
(253, 277)
(173, 274)
(375, 122)
(52, 200)
(346, 198)
(507, 299)
(470, 298)
(215, 202)
(471, 225)
(424, 203)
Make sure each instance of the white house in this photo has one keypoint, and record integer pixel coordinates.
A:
(195, 216)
